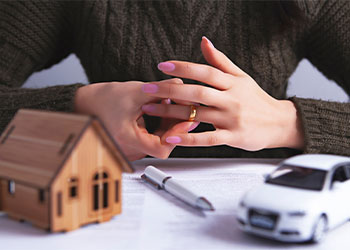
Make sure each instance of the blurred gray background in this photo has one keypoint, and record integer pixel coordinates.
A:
(306, 81)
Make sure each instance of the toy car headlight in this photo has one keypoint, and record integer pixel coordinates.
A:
(297, 213)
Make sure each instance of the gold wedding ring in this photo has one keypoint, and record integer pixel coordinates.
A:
(193, 113)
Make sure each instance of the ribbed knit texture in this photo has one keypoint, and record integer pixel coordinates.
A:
(125, 40)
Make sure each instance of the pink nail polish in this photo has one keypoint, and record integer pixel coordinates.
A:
(208, 41)
(173, 139)
(148, 108)
(193, 126)
(166, 66)
(149, 88)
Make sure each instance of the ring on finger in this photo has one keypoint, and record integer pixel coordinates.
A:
(193, 113)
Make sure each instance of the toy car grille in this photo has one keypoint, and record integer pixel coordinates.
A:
(263, 219)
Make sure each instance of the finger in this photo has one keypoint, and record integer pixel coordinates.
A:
(179, 128)
(179, 101)
(185, 103)
(168, 101)
(218, 59)
(182, 112)
(182, 102)
(149, 144)
(210, 138)
(199, 72)
(185, 92)
(171, 81)
(183, 127)
(146, 99)
(175, 81)
(152, 145)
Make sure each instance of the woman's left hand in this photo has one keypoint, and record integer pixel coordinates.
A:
(243, 114)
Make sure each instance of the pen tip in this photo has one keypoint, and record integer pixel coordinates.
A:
(204, 204)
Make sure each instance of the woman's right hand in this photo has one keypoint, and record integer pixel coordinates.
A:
(118, 105)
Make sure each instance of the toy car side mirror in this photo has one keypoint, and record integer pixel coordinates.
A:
(336, 185)
(266, 176)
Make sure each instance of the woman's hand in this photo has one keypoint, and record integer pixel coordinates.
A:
(118, 105)
(244, 115)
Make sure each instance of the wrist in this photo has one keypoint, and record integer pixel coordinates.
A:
(79, 100)
(82, 100)
(291, 133)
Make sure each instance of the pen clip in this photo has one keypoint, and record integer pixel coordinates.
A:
(150, 181)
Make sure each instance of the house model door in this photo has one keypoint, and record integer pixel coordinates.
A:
(101, 188)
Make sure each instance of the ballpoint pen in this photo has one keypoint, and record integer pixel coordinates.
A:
(161, 180)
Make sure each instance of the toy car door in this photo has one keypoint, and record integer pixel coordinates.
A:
(339, 191)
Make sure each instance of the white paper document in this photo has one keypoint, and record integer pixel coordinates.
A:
(154, 219)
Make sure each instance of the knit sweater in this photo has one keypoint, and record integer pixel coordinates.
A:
(125, 40)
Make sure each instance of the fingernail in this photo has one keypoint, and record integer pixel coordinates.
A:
(167, 101)
(193, 126)
(166, 66)
(150, 88)
(208, 41)
(173, 139)
(148, 108)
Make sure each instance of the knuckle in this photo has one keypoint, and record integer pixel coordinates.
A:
(211, 73)
(212, 140)
(237, 106)
(170, 90)
(200, 93)
(240, 139)
(237, 110)
(191, 140)
(239, 124)
(230, 77)
(163, 154)
(187, 68)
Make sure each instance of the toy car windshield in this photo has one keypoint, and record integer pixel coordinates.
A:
(298, 177)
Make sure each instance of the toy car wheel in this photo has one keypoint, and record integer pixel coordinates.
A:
(320, 229)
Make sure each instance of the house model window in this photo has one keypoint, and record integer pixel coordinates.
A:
(11, 186)
(41, 194)
(100, 190)
(73, 187)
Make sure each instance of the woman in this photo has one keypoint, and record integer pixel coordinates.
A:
(244, 101)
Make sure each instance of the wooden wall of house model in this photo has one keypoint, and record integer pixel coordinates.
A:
(59, 171)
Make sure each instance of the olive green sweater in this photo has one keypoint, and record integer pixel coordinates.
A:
(125, 40)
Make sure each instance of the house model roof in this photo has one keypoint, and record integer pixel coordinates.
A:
(36, 144)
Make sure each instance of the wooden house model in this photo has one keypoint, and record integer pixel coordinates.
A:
(59, 171)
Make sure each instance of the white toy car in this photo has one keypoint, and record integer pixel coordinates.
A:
(303, 198)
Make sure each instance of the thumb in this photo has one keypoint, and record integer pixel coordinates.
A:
(180, 128)
(218, 59)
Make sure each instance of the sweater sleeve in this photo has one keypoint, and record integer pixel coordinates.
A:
(327, 124)
(34, 35)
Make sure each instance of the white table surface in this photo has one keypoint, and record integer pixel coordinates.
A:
(153, 219)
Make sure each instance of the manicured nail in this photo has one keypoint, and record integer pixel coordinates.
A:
(173, 139)
(149, 88)
(166, 66)
(167, 101)
(193, 126)
(208, 41)
(148, 108)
